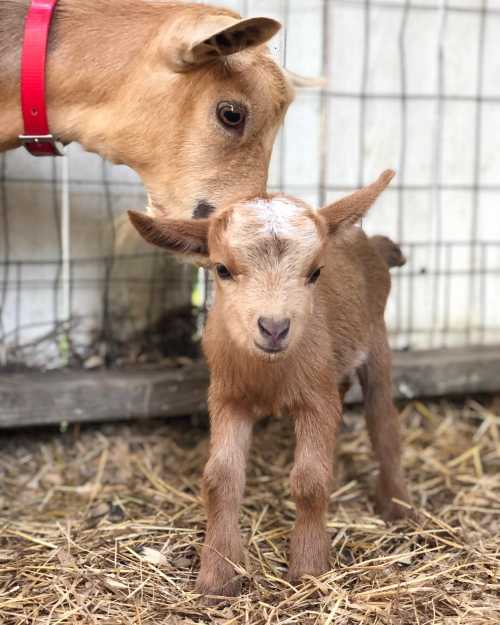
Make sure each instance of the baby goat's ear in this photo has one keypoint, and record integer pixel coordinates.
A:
(183, 237)
(350, 209)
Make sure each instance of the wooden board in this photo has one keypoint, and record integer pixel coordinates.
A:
(37, 398)
(86, 396)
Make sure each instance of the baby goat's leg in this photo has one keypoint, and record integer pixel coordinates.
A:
(223, 485)
(383, 427)
(310, 483)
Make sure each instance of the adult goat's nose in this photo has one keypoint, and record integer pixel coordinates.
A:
(274, 330)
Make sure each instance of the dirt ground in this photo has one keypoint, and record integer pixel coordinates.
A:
(103, 525)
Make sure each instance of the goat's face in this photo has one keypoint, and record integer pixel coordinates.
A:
(223, 128)
(267, 254)
(213, 100)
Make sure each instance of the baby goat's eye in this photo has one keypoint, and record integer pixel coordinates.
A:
(313, 276)
(223, 272)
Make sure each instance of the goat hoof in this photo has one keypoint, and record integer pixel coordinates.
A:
(391, 510)
(216, 589)
(308, 554)
(298, 570)
(295, 574)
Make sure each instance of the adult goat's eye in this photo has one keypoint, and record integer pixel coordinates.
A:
(231, 115)
(223, 272)
(313, 276)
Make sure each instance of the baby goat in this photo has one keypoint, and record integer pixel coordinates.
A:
(299, 306)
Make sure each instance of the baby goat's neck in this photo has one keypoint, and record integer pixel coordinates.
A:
(268, 386)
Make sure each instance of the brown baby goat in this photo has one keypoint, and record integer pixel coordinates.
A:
(299, 306)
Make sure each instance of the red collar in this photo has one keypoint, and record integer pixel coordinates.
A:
(36, 138)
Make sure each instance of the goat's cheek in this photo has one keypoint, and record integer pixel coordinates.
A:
(311, 306)
(301, 311)
(254, 302)
(241, 317)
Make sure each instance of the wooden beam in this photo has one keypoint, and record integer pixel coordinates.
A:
(36, 398)
(440, 372)
(460, 371)
(54, 397)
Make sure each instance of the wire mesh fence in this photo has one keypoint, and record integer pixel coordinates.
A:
(411, 85)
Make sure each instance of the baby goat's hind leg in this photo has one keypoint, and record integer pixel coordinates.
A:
(383, 427)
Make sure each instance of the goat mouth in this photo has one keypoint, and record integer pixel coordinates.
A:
(270, 350)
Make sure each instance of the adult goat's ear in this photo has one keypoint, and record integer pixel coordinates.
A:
(352, 208)
(183, 237)
(193, 40)
(305, 82)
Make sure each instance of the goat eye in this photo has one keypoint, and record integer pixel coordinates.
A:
(231, 115)
(223, 272)
(313, 276)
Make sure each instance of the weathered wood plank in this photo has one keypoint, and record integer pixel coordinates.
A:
(433, 373)
(90, 396)
(86, 396)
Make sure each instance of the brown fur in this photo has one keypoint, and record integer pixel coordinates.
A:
(271, 245)
(390, 251)
(139, 82)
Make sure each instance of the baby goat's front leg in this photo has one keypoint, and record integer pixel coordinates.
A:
(223, 485)
(310, 482)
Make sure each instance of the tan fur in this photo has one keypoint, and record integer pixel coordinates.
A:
(337, 328)
(135, 81)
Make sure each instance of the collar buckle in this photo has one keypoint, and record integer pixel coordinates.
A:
(42, 144)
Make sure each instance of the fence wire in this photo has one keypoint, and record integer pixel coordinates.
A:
(410, 85)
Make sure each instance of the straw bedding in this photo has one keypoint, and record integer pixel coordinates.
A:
(104, 526)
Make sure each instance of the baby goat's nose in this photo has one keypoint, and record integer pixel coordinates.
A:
(274, 330)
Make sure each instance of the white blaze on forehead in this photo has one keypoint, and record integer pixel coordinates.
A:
(277, 217)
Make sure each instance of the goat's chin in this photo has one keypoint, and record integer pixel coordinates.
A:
(269, 356)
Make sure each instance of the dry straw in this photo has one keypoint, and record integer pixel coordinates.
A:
(104, 526)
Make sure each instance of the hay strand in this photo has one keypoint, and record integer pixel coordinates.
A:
(104, 526)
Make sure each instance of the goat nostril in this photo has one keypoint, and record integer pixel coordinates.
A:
(286, 328)
(262, 322)
(272, 329)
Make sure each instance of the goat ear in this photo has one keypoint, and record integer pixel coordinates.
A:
(350, 209)
(305, 82)
(183, 237)
(195, 43)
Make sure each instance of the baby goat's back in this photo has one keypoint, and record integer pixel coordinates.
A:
(353, 294)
